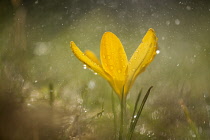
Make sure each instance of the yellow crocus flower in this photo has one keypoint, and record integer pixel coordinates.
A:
(114, 65)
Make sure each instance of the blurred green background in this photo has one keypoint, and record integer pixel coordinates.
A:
(45, 94)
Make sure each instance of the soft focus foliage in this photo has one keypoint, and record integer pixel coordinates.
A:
(46, 94)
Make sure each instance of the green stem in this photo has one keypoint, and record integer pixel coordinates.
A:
(114, 113)
(122, 105)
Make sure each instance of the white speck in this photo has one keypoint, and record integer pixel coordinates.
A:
(91, 84)
(188, 8)
(134, 116)
(35, 81)
(194, 55)
(168, 22)
(95, 73)
(41, 48)
(177, 65)
(158, 51)
(84, 67)
(143, 129)
(177, 21)
(163, 38)
(28, 104)
(36, 2)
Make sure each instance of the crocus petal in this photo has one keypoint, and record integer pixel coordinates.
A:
(114, 60)
(92, 56)
(143, 55)
(90, 63)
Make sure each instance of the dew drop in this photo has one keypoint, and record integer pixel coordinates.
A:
(84, 66)
(158, 51)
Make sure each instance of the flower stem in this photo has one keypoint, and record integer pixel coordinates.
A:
(114, 113)
(122, 109)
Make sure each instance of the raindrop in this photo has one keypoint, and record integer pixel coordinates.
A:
(168, 22)
(84, 66)
(177, 21)
(36, 2)
(91, 84)
(188, 8)
(158, 51)
(41, 48)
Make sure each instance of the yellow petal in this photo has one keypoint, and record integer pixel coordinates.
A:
(143, 55)
(86, 60)
(92, 56)
(113, 59)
